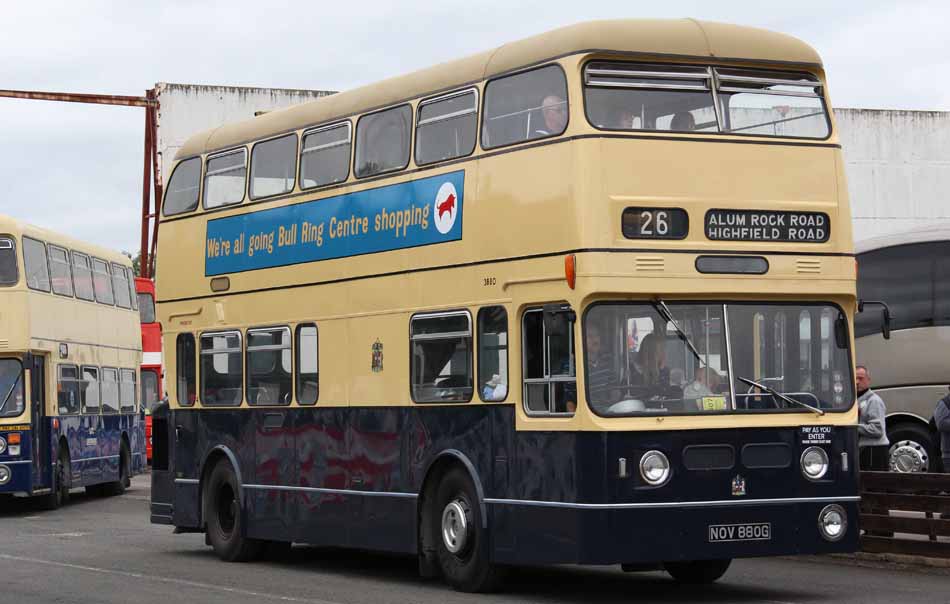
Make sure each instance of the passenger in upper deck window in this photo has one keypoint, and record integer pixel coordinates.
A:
(683, 121)
(554, 112)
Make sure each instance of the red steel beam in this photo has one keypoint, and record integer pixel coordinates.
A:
(74, 97)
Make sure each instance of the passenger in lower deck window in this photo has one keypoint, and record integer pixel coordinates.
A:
(554, 112)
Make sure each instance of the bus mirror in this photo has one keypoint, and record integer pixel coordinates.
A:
(885, 315)
(557, 319)
(841, 331)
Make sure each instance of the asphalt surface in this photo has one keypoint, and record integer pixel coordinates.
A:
(104, 550)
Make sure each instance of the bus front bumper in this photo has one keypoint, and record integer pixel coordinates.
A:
(21, 477)
(691, 531)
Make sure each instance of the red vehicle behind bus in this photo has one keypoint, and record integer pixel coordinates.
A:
(152, 390)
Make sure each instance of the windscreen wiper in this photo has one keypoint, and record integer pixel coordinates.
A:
(778, 394)
(6, 398)
(664, 311)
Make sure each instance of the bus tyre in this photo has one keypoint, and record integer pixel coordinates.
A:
(697, 572)
(463, 548)
(125, 462)
(912, 449)
(225, 520)
(61, 482)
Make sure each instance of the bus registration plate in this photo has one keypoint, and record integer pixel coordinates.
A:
(753, 531)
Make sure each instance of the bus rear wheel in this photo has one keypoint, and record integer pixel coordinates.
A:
(697, 572)
(463, 549)
(225, 520)
(125, 462)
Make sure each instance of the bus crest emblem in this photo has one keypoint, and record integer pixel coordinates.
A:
(377, 362)
(738, 486)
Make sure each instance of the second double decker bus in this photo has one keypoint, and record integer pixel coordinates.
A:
(69, 365)
(584, 298)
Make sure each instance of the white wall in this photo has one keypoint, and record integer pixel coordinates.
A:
(898, 168)
(185, 109)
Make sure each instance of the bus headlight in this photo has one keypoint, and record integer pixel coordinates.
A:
(832, 522)
(814, 463)
(3, 445)
(654, 468)
(5, 475)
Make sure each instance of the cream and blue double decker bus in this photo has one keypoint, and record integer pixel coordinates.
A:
(583, 298)
(70, 350)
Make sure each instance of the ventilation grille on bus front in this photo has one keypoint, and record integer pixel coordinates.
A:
(808, 266)
(649, 263)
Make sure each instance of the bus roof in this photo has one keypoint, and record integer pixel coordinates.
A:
(939, 232)
(653, 38)
(18, 228)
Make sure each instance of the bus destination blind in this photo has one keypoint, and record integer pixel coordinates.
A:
(411, 214)
(767, 225)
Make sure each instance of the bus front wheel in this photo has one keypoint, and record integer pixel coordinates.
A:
(61, 482)
(463, 549)
(225, 520)
(697, 572)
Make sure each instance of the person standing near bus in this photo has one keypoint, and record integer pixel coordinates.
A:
(872, 431)
(942, 420)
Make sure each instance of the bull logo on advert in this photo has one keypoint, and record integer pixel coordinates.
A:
(445, 208)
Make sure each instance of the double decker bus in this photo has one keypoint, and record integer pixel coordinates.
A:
(637, 350)
(152, 373)
(69, 361)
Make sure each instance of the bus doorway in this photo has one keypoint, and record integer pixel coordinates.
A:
(39, 433)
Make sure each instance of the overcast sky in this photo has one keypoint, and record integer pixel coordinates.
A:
(77, 168)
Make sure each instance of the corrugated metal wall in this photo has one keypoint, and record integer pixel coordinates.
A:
(897, 162)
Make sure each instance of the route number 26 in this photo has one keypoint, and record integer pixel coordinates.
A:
(656, 222)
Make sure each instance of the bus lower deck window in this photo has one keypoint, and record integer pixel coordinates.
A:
(441, 365)
(268, 366)
(221, 369)
(185, 363)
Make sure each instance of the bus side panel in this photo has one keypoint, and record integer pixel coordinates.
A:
(501, 520)
(199, 432)
(321, 454)
(550, 467)
(273, 511)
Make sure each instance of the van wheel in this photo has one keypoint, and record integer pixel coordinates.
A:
(125, 462)
(463, 549)
(62, 479)
(912, 449)
(697, 572)
(225, 519)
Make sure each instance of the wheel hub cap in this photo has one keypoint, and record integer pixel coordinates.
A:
(455, 526)
(908, 456)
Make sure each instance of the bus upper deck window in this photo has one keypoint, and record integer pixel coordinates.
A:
(525, 106)
(36, 265)
(771, 103)
(146, 307)
(635, 96)
(273, 166)
(82, 277)
(182, 193)
(325, 156)
(102, 282)
(225, 178)
(120, 283)
(446, 127)
(382, 141)
(60, 274)
(8, 265)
